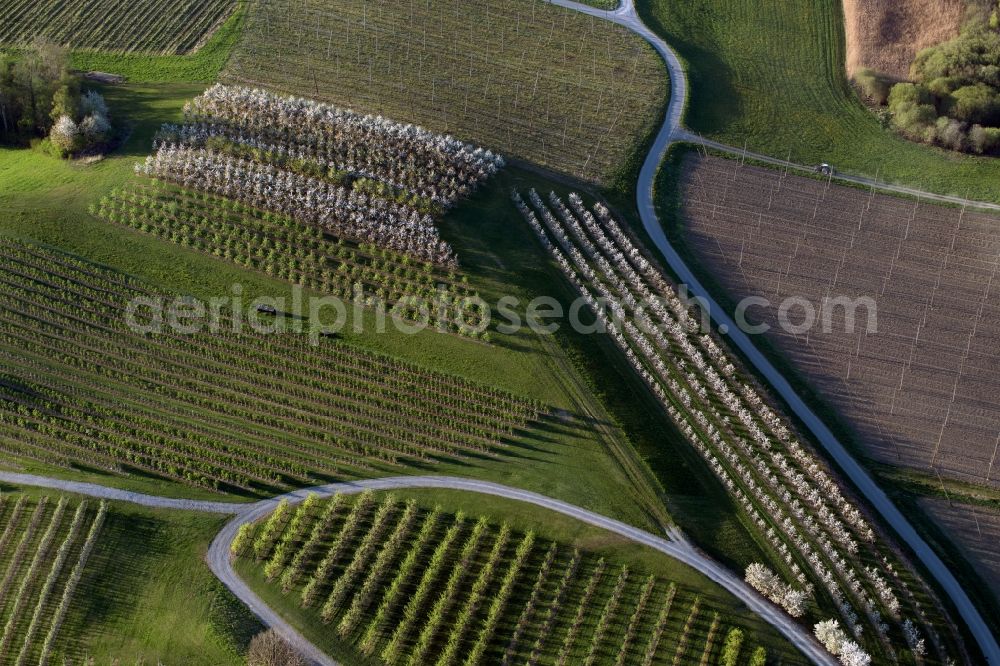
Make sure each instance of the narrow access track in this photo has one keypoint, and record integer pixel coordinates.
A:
(677, 546)
(681, 134)
(673, 131)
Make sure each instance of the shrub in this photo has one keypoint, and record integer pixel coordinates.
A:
(731, 649)
(873, 85)
(759, 657)
(950, 133)
(64, 103)
(958, 80)
(977, 103)
(984, 139)
(916, 120)
(943, 86)
(962, 57)
(92, 103)
(65, 135)
(95, 129)
(911, 108)
(908, 94)
(269, 649)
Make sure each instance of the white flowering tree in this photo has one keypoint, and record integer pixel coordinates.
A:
(92, 104)
(837, 643)
(95, 129)
(832, 637)
(785, 491)
(365, 178)
(71, 134)
(913, 638)
(408, 157)
(852, 654)
(768, 583)
(65, 135)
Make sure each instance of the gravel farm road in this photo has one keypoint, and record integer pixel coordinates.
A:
(672, 131)
(677, 546)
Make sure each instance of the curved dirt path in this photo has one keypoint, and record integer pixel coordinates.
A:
(672, 130)
(108, 493)
(677, 546)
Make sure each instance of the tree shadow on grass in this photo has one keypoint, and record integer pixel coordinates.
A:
(120, 564)
(142, 110)
(712, 90)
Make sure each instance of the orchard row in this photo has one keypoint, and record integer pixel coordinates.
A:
(406, 585)
(44, 549)
(303, 254)
(816, 533)
(247, 411)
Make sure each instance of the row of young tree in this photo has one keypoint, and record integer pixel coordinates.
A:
(41, 98)
(415, 586)
(301, 253)
(787, 495)
(340, 211)
(335, 409)
(45, 557)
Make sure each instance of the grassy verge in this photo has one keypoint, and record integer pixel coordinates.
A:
(961, 566)
(771, 74)
(203, 65)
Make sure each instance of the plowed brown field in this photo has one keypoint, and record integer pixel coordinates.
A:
(922, 391)
(975, 531)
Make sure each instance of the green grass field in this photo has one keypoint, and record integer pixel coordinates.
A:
(46, 202)
(535, 81)
(149, 594)
(483, 609)
(771, 74)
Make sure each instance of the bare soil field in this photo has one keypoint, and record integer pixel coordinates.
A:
(923, 390)
(975, 531)
(885, 35)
